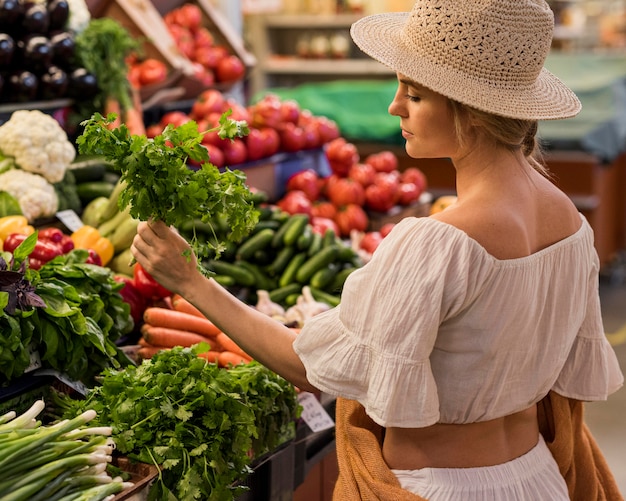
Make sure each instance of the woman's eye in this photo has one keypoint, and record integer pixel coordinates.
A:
(413, 98)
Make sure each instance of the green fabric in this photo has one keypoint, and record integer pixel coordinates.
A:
(360, 106)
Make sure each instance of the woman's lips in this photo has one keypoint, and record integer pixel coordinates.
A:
(406, 134)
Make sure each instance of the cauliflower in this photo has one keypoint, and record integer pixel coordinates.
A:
(38, 143)
(36, 196)
(80, 17)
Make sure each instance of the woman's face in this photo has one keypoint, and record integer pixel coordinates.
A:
(425, 119)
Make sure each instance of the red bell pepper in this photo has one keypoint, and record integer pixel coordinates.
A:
(43, 250)
(148, 286)
(138, 303)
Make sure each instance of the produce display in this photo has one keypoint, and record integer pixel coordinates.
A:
(65, 460)
(201, 424)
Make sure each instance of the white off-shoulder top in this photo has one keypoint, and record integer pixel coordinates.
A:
(435, 329)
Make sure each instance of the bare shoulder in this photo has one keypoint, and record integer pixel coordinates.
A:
(511, 228)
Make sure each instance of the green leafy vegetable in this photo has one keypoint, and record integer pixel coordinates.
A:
(200, 423)
(9, 206)
(160, 185)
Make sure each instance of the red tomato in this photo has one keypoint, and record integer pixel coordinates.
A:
(351, 217)
(326, 128)
(152, 71)
(189, 16)
(238, 111)
(364, 174)
(290, 111)
(383, 161)
(230, 69)
(306, 181)
(205, 76)
(209, 101)
(346, 191)
(322, 224)
(265, 113)
(295, 202)
(255, 142)
(216, 155)
(272, 140)
(408, 193)
(414, 175)
(209, 56)
(324, 209)
(176, 118)
(202, 37)
(370, 241)
(154, 130)
(341, 156)
(381, 197)
(311, 137)
(292, 137)
(235, 151)
(183, 39)
(386, 228)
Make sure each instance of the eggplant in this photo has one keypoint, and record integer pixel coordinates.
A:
(7, 49)
(83, 84)
(53, 84)
(11, 12)
(36, 19)
(58, 14)
(63, 48)
(23, 86)
(36, 53)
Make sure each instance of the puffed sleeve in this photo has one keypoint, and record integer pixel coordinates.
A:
(375, 346)
(592, 370)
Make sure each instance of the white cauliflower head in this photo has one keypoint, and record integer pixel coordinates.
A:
(80, 17)
(36, 196)
(38, 143)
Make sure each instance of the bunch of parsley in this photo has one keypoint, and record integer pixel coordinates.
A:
(200, 423)
(160, 185)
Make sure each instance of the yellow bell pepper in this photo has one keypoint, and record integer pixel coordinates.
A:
(14, 224)
(88, 237)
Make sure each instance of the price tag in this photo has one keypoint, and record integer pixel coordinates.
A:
(70, 219)
(34, 360)
(75, 385)
(313, 413)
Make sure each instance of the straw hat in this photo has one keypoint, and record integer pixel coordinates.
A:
(487, 54)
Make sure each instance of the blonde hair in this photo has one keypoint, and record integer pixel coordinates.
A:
(511, 133)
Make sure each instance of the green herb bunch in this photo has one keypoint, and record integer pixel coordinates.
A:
(69, 311)
(200, 423)
(160, 185)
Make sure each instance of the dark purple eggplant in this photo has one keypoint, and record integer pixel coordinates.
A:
(11, 12)
(63, 48)
(36, 19)
(58, 13)
(7, 49)
(36, 53)
(83, 84)
(53, 84)
(23, 87)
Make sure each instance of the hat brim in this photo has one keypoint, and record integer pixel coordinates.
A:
(548, 98)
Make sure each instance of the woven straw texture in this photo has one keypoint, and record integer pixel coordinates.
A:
(488, 54)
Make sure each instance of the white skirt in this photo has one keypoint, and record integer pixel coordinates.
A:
(534, 476)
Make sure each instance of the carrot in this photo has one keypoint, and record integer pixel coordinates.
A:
(210, 356)
(164, 317)
(169, 337)
(226, 358)
(229, 345)
(133, 117)
(112, 105)
(179, 303)
(149, 351)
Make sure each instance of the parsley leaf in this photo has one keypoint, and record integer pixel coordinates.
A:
(160, 185)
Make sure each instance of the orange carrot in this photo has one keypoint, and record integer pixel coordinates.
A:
(169, 337)
(229, 345)
(112, 105)
(163, 317)
(133, 119)
(210, 356)
(179, 303)
(226, 358)
(149, 351)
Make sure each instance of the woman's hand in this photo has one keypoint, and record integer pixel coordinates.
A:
(165, 255)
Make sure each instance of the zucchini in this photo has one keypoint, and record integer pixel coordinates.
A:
(93, 189)
(321, 260)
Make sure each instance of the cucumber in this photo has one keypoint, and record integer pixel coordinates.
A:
(292, 299)
(266, 223)
(296, 226)
(289, 275)
(88, 169)
(340, 278)
(224, 280)
(279, 295)
(329, 238)
(94, 189)
(346, 254)
(323, 277)
(283, 256)
(321, 260)
(277, 241)
(306, 238)
(254, 243)
(241, 275)
(325, 297)
(316, 244)
(261, 280)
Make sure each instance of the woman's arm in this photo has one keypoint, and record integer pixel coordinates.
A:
(168, 258)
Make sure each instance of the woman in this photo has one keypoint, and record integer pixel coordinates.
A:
(446, 341)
